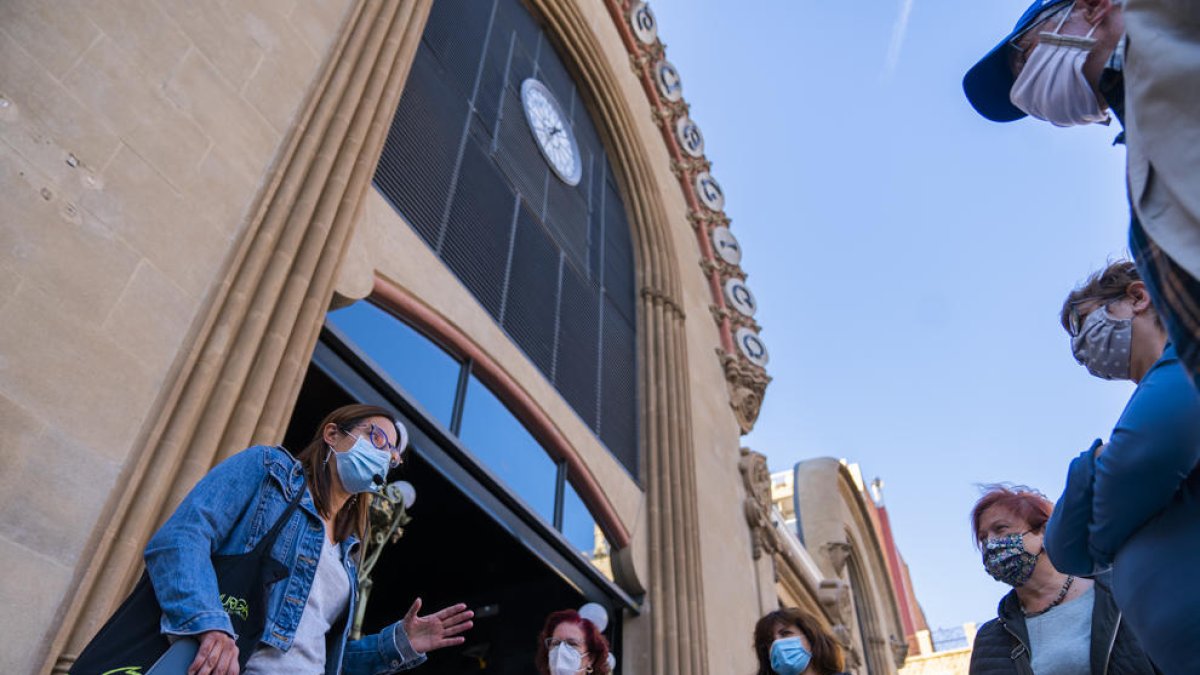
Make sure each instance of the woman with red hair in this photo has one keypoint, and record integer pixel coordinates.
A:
(570, 644)
(1049, 622)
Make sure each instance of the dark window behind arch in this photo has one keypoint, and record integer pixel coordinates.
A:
(444, 389)
(552, 263)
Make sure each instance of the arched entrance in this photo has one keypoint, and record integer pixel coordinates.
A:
(480, 534)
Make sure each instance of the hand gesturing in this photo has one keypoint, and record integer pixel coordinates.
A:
(437, 630)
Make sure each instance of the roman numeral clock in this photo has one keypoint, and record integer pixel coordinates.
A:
(552, 131)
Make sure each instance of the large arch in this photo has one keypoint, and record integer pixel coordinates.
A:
(842, 535)
(237, 377)
(663, 561)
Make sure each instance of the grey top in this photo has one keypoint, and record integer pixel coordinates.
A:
(1060, 640)
(328, 599)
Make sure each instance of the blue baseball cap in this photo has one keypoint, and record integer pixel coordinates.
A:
(988, 83)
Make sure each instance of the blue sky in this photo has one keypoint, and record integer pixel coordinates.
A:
(908, 257)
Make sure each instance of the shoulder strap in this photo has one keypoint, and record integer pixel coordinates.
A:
(268, 541)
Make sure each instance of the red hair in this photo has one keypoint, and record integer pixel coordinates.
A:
(1023, 502)
(597, 646)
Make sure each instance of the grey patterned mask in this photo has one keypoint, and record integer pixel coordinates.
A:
(1103, 345)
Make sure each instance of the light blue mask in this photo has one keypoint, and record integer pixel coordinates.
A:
(358, 467)
(789, 657)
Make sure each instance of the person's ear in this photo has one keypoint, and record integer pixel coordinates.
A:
(330, 433)
(1140, 296)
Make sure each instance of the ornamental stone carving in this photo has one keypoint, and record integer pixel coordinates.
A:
(744, 354)
(756, 478)
(834, 596)
(899, 649)
(838, 553)
(747, 385)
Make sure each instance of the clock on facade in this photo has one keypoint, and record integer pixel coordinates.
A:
(552, 131)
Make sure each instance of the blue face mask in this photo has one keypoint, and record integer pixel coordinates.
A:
(358, 466)
(789, 657)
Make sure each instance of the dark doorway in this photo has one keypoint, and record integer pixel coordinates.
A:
(456, 549)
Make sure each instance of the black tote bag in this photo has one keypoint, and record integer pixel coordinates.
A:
(130, 641)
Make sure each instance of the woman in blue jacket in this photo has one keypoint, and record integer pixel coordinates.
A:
(309, 612)
(1133, 503)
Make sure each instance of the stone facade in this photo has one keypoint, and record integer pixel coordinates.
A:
(187, 192)
(136, 142)
(836, 551)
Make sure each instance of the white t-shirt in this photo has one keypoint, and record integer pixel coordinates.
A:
(327, 601)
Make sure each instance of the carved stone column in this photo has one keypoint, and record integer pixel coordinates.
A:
(676, 592)
(241, 376)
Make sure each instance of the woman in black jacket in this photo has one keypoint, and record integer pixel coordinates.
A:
(1050, 623)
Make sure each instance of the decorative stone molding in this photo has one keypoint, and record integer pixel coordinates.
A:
(834, 596)
(658, 297)
(241, 376)
(719, 313)
(838, 553)
(683, 167)
(756, 478)
(743, 367)
(899, 650)
(747, 385)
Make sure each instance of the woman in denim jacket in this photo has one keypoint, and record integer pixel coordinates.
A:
(309, 613)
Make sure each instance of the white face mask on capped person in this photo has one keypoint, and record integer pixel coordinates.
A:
(564, 660)
(1051, 85)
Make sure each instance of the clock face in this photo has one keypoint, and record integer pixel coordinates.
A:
(552, 131)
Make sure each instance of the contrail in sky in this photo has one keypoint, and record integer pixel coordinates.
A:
(898, 32)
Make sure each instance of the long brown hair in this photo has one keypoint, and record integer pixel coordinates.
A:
(352, 518)
(826, 654)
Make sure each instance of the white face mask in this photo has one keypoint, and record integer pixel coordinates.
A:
(1052, 86)
(564, 660)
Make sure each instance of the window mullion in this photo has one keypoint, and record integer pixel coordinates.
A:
(460, 397)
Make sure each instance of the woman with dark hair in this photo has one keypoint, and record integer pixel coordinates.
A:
(570, 644)
(1050, 623)
(325, 492)
(790, 641)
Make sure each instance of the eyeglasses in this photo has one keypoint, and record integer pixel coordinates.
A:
(578, 646)
(1042, 18)
(1076, 319)
(379, 439)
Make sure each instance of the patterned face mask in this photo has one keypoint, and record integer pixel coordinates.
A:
(1006, 559)
(1104, 345)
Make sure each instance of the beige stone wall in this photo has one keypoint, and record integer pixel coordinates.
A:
(839, 534)
(952, 662)
(134, 137)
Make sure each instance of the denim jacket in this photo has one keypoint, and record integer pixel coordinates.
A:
(228, 512)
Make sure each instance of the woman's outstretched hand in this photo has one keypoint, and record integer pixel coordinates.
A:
(217, 655)
(437, 630)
